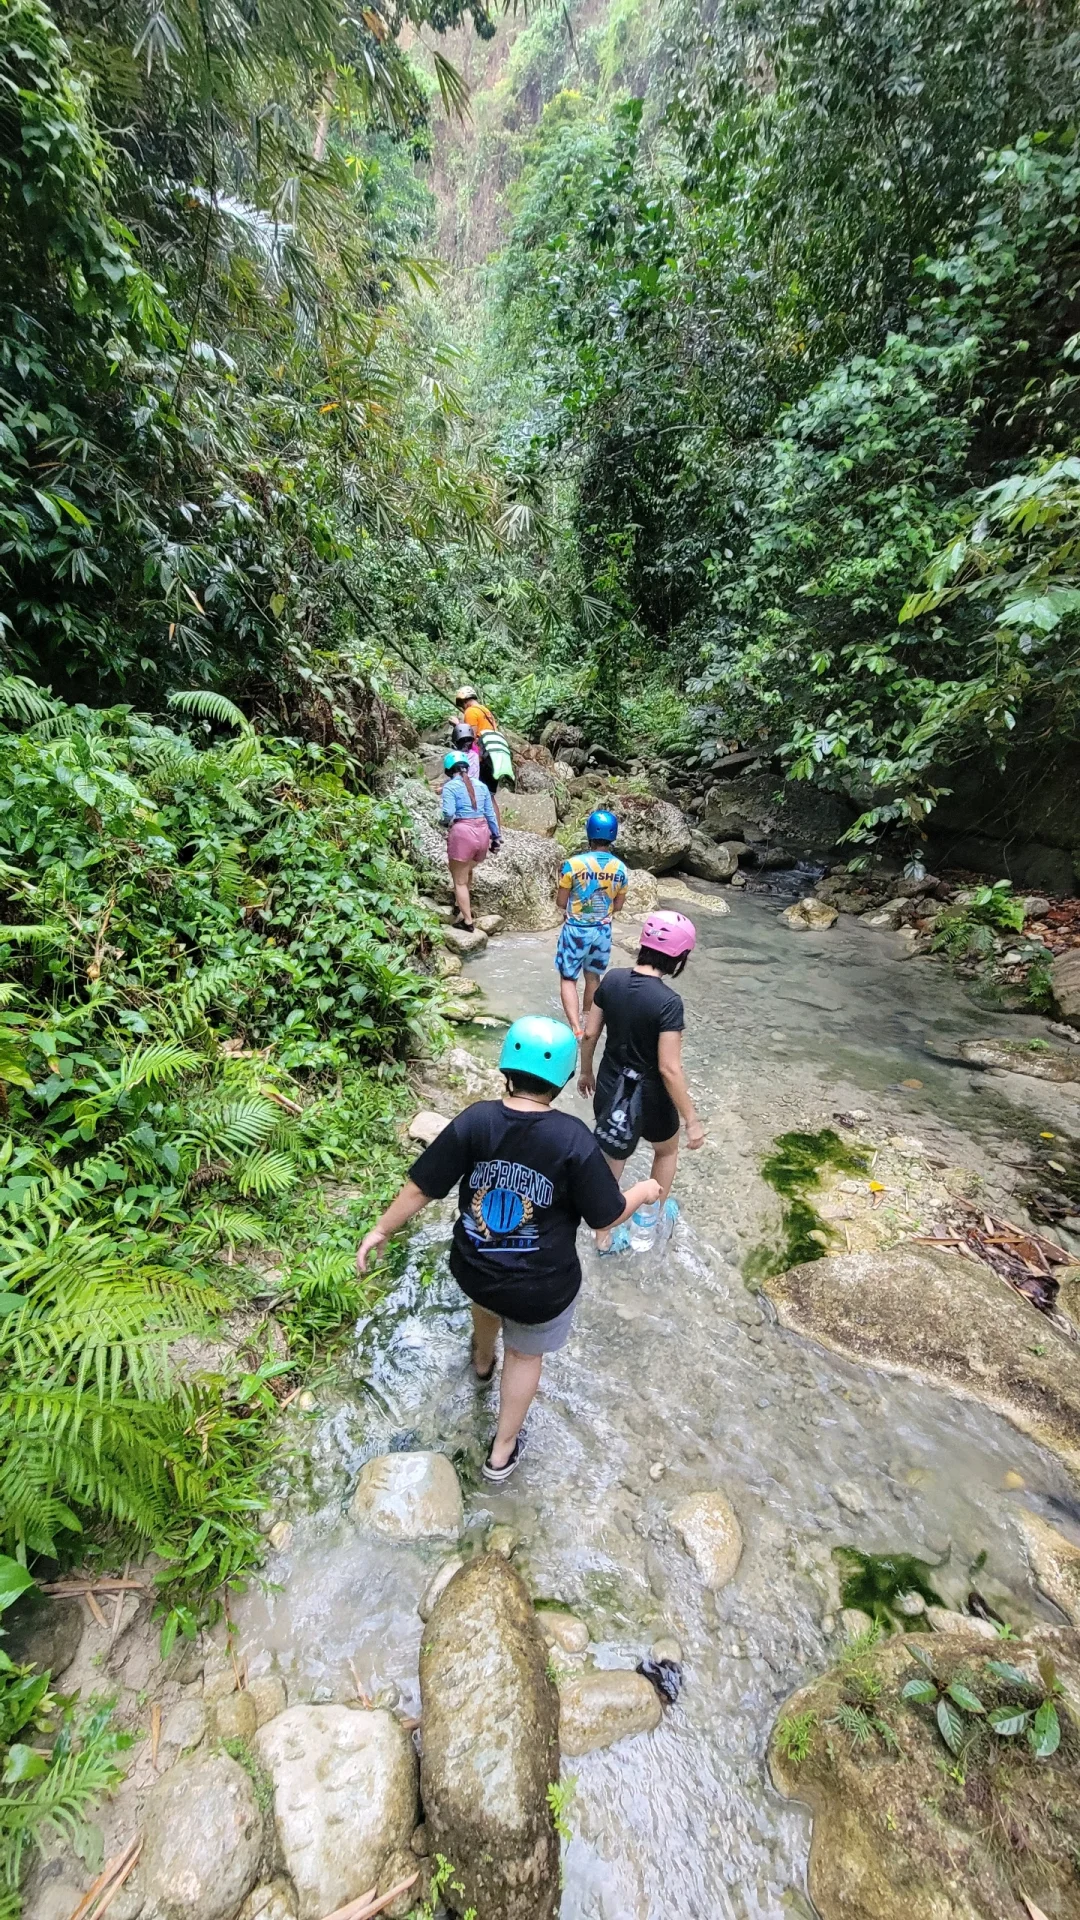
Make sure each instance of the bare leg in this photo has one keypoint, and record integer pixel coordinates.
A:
(568, 996)
(603, 1237)
(518, 1382)
(665, 1159)
(461, 874)
(485, 1333)
(592, 981)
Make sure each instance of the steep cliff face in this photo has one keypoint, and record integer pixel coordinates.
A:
(1023, 821)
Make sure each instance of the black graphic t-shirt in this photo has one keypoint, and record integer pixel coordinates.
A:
(527, 1180)
(637, 1009)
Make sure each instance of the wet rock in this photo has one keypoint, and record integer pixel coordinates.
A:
(1055, 1562)
(462, 942)
(1019, 1056)
(850, 1497)
(426, 1126)
(401, 1867)
(280, 1536)
(887, 918)
(437, 1585)
(470, 1076)
(808, 915)
(183, 1728)
(664, 1676)
(503, 1538)
(910, 1605)
(596, 1709)
(491, 1744)
(489, 923)
(890, 1841)
(641, 895)
(708, 861)
(738, 879)
(519, 881)
(652, 833)
(854, 1622)
(408, 1496)
(776, 860)
(235, 1717)
(712, 1536)
(269, 1697)
(273, 1900)
(202, 1840)
(39, 1632)
(950, 1620)
(533, 776)
(943, 1318)
(344, 1798)
(447, 965)
(530, 812)
(219, 1680)
(1065, 985)
(563, 1630)
(666, 1649)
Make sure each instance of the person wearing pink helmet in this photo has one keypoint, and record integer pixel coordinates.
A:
(640, 1091)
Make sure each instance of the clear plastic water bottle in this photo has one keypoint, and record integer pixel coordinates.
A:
(643, 1226)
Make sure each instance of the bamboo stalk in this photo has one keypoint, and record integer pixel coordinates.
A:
(353, 1907)
(109, 1882)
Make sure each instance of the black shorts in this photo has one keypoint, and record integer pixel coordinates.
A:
(659, 1114)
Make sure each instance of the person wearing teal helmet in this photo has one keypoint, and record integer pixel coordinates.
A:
(526, 1177)
(592, 887)
(471, 830)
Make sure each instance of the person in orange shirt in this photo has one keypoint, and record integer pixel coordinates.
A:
(496, 764)
(474, 713)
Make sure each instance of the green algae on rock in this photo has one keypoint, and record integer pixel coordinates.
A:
(939, 1317)
(793, 1170)
(902, 1826)
(872, 1583)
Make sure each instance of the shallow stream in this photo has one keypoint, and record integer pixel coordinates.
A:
(678, 1379)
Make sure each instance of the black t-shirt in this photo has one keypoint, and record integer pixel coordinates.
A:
(526, 1182)
(637, 1009)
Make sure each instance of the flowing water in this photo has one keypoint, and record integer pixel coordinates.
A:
(678, 1379)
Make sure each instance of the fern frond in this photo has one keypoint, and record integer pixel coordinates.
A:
(211, 706)
(230, 1127)
(20, 699)
(265, 1173)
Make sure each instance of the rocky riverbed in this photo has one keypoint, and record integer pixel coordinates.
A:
(696, 1457)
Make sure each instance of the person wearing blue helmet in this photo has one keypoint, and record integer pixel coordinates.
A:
(526, 1178)
(592, 887)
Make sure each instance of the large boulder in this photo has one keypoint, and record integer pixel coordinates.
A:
(39, 1632)
(901, 1832)
(491, 1744)
(531, 810)
(408, 1496)
(1065, 985)
(943, 1318)
(519, 881)
(344, 1799)
(596, 1709)
(708, 861)
(534, 776)
(202, 1841)
(652, 833)
(641, 894)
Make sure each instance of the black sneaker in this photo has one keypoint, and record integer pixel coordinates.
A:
(499, 1474)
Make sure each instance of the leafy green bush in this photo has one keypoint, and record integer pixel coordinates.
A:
(970, 928)
(210, 954)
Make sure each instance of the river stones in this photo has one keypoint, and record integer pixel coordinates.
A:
(1055, 1563)
(563, 1630)
(712, 1536)
(652, 833)
(808, 916)
(1065, 985)
(491, 1744)
(707, 860)
(344, 1798)
(532, 812)
(426, 1126)
(596, 1709)
(202, 1840)
(942, 1318)
(462, 942)
(896, 1833)
(269, 1696)
(408, 1496)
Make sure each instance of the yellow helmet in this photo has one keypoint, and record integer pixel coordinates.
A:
(465, 693)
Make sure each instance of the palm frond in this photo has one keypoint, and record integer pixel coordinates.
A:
(211, 706)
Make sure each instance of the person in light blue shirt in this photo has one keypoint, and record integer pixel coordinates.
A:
(472, 829)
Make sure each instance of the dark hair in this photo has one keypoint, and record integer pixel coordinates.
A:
(600, 846)
(527, 1082)
(669, 963)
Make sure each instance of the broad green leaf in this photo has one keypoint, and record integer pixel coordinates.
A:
(14, 1580)
(1006, 1671)
(921, 1690)
(950, 1725)
(1044, 1733)
(1008, 1721)
(965, 1698)
(22, 1764)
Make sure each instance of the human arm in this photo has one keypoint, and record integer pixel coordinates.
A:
(669, 1059)
(597, 1195)
(641, 1194)
(594, 1027)
(401, 1210)
(449, 803)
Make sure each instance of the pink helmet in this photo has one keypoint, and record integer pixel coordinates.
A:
(669, 933)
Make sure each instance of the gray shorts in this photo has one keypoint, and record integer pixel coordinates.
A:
(547, 1336)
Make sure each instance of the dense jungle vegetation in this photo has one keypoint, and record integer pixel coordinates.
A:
(747, 411)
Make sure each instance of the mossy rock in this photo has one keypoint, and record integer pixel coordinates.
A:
(906, 1830)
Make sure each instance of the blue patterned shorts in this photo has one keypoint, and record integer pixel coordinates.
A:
(584, 947)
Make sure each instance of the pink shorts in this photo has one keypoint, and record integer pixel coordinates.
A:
(468, 840)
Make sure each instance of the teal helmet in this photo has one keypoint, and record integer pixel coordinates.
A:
(545, 1048)
(451, 761)
(601, 825)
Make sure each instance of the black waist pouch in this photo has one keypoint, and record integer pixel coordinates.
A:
(618, 1129)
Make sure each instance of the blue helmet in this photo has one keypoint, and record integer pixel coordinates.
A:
(545, 1048)
(452, 761)
(601, 825)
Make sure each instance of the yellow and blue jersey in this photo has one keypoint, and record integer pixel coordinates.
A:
(595, 879)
